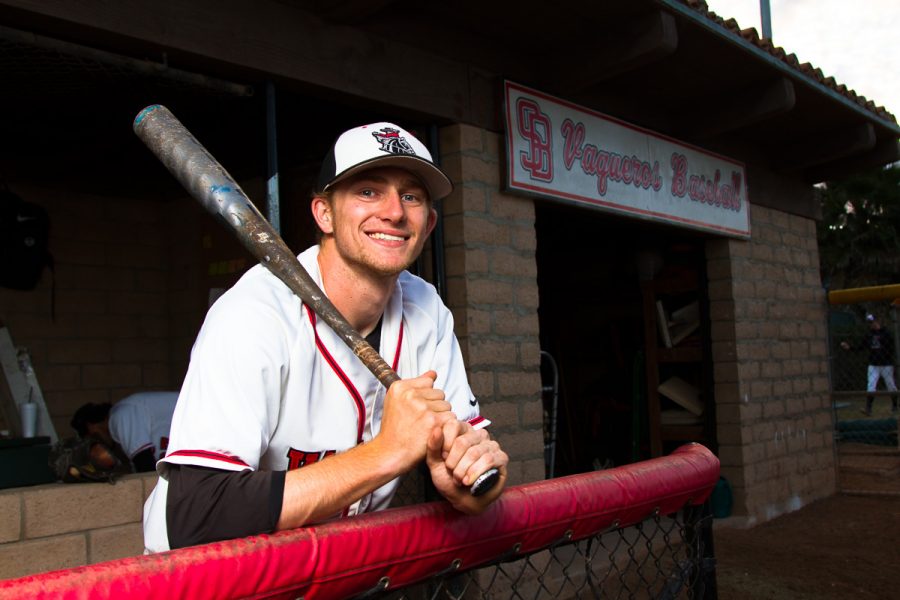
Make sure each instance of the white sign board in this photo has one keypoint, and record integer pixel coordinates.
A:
(562, 151)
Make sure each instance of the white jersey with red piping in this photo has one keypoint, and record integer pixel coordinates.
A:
(271, 387)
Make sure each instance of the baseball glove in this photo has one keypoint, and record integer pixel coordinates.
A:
(88, 459)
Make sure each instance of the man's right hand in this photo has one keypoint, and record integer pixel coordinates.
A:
(412, 409)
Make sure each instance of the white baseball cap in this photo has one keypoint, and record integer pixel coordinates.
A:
(382, 145)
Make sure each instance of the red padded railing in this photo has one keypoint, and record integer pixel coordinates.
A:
(396, 547)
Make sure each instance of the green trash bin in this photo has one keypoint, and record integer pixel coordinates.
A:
(25, 461)
(722, 499)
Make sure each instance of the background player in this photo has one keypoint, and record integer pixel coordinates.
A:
(278, 424)
(138, 423)
(880, 344)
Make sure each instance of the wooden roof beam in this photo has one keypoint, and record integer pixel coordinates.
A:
(350, 11)
(826, 147)
(884, 152)
(651, 38)
(738, 110)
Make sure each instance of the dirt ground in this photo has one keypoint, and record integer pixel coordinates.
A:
(846, 546)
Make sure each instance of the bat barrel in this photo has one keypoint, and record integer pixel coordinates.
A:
(191, 164)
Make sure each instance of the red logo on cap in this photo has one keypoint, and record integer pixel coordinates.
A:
(392, 143)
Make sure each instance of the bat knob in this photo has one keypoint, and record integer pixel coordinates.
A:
(485, 482)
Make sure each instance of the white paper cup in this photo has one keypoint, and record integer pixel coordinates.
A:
(28, 413)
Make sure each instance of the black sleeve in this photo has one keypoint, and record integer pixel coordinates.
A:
(208, 505)
(144, 461)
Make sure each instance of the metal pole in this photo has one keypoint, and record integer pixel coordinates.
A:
(896, 349)
(273, 206)
(874, 293)
(550, 447)
(766, 17)
(896, 334)
(438, 258)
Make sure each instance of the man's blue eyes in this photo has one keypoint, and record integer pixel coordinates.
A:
(405, 197)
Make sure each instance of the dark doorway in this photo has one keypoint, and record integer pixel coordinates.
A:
(592, 320)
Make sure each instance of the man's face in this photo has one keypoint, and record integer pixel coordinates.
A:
(101, 431)
(378, 220)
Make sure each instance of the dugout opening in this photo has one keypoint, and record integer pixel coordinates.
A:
(608, 287)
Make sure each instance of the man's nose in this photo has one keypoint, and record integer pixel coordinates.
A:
(392, 206)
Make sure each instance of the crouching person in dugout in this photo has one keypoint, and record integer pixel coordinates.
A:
(278, 424)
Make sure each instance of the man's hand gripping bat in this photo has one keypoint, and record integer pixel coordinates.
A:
(208, 182)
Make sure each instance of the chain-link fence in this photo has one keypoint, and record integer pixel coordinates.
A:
(864, 341)
(663, 557)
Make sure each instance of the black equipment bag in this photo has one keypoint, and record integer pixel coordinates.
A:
(24, 232)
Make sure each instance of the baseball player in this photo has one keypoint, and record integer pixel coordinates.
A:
(278, 423)
(880, 344)
(138, 423)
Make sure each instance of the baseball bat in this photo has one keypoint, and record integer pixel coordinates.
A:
(211, 185)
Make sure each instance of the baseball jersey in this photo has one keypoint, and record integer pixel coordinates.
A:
(881, 347)
(271, 387)
(141, 421)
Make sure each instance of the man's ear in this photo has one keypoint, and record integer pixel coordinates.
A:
(432, 220)
(321, 212)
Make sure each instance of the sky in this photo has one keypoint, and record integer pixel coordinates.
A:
(855, 41)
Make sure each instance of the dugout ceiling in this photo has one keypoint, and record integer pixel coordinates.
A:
(668, 65)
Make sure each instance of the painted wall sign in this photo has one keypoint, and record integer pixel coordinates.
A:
(562, 151)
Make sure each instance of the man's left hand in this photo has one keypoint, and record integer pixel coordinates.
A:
(457, 455)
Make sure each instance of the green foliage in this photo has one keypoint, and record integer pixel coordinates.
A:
(859, 235)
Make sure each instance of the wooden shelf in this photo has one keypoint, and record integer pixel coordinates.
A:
(682, 283)
(683, 354)
(687, 359)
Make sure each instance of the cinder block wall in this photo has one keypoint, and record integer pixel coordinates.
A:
(769, 337)
(493, 293)
(110, 332)
(131, 286)
(56, 526)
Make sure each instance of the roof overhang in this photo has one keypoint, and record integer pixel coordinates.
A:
(670, 66)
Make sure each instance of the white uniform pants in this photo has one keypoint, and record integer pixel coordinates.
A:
(885, 372)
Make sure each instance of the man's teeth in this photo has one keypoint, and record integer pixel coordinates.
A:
(385, 236)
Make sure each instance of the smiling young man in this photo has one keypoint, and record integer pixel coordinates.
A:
(278, 424)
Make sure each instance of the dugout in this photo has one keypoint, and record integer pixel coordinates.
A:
(598, 317)
(136, 263)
